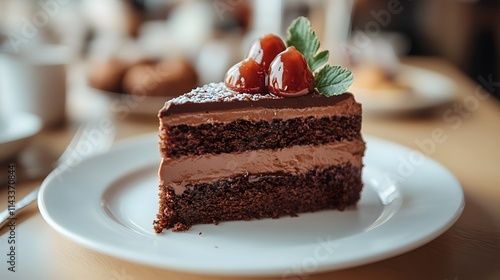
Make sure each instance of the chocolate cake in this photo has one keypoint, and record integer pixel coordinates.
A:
(275, 139)
(235, 156)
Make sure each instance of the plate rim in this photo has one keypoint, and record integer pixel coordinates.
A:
(279, 271)
(406, 104)
(145, 105)
(28, 124)
(13, 119)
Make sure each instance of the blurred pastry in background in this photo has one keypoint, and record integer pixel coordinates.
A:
(169, 77)
(107, 74)
(166, 77)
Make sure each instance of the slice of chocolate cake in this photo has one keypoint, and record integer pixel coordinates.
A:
(236, 156)
(274, 139)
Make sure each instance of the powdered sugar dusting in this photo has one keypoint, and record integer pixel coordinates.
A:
(218, 92)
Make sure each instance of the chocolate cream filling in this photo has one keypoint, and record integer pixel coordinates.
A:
(188, 170)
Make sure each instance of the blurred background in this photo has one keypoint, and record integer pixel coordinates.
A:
(162, 48)
(465, 32)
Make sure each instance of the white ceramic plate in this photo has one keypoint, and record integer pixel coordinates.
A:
(428, 89)
(16, 131)
(107, 203)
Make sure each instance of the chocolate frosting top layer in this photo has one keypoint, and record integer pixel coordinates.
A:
(216, 97)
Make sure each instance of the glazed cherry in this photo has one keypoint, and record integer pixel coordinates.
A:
(289, 75)
(246, 76)
(265, 49)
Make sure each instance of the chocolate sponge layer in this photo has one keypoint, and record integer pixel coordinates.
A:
(259, 196)
(243, 135)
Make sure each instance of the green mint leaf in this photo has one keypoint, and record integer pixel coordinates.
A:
(330, 80)
(304, 39)
(319, 60)
(333, 80)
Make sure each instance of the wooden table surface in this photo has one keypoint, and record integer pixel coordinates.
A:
(470, 249)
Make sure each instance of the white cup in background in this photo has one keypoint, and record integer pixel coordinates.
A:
(34, 81)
